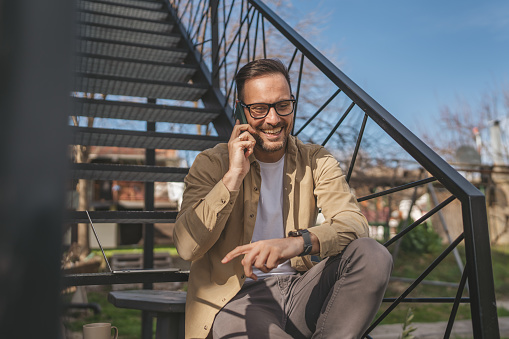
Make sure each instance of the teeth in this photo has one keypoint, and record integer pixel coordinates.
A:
(272, 131)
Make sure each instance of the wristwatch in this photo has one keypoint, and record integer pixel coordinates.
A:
(308, 245)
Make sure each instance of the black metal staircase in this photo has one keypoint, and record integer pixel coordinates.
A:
(178, 50)
(133, 48)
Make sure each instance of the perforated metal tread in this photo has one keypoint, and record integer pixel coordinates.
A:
(136, 139)
(112, 33)
(146, 4)
(121, 217)
(92, 83)
(117, 9)
(142, 52)
(143, 112)
(128, 172)
(119, 21)
(124, 67)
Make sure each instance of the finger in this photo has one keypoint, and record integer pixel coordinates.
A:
(248, 151)
(236, 130)
(272, 261)
(249, 260)
(250, 129)
(239, 128)
(246, 146)
(246, 136)
(248, 267)
(261, 260)
(239, 250)
(253, 276)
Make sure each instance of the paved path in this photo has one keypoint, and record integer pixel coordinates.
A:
(461, 329)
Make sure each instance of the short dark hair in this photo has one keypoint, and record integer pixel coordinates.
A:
(258, 68)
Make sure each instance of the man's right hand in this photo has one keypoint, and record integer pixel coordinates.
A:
(240, 147)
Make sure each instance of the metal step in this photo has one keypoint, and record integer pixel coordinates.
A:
(137, 139)
(92, 83)
(112, 33)
(146, 4)
(142, 52)
(143, 112)
(121, 217)
(128, 172)
(115, 9)
(90, 17)
(110, 66)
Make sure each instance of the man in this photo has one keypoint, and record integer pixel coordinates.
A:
(241, 203)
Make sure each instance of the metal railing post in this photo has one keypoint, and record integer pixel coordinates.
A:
(214, 5)
(478, 264)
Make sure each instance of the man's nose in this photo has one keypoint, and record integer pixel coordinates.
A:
(272, 117)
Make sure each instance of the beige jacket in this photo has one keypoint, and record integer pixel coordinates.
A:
(213, 221)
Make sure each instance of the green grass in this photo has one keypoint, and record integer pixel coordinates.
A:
(411, 265)
(109, 252)
(127, 321)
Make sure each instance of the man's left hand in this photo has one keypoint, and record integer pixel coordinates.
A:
(266, 255)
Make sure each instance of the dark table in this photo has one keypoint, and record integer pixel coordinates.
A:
(167, 306)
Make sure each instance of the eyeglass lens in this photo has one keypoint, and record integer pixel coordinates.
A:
(284, 107)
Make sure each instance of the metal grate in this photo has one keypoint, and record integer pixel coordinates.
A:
(107, 8)
(125, 35)
(128, 172)
(129, 50)
(124, 22)
(91, 83)
(136, 139)
(145, 112)
(156, 5)
(134, 69)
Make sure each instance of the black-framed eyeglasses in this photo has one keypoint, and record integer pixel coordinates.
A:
(261, 110)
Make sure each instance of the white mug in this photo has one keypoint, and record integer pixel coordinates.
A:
(99, 331)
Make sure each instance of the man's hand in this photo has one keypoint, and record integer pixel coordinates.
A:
(266, 255)
(240, 147)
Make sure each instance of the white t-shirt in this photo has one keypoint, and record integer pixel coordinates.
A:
(269, 215)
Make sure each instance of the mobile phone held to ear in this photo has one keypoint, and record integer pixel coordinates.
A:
(239, 113)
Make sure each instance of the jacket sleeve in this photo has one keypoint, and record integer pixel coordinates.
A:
(206, 206)
(344, 221)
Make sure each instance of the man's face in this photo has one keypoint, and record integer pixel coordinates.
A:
(272, 131)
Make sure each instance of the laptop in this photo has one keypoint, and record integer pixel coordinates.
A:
(129, 270)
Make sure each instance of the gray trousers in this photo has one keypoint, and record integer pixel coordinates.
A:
(337, 298)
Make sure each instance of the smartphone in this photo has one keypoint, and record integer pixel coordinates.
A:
(239, 113)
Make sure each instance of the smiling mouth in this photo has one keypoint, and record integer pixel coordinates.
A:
(273, 131)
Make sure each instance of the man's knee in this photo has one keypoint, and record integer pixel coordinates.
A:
(373, 257)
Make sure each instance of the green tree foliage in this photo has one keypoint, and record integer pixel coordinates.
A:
(422, 239)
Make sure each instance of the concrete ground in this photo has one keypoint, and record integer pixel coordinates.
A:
(461, 329)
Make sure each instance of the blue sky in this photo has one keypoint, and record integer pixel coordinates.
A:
(415, 56)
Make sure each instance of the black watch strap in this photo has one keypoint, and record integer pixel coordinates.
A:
(308, 245)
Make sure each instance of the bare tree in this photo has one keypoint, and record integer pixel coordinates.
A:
(466, 123)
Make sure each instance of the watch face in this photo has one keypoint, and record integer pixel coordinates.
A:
(297, 233)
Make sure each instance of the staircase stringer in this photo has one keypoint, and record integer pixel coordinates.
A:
(213, 98)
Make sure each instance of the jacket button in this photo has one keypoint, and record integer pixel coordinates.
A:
(205, 327)
(256, 188)
(251, 215)
(223, 201)
(223, 300)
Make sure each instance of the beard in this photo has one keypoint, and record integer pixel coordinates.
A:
(271, 146)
